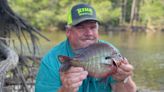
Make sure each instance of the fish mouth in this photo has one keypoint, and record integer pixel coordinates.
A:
(116, 62)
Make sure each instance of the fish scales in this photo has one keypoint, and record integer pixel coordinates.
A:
(97, 59)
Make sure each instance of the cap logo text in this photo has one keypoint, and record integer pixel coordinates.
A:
(84, 11)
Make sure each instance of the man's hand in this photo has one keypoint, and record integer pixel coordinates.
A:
(72, 79)
(124, 71)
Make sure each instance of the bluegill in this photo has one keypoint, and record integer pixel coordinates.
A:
(99, 59)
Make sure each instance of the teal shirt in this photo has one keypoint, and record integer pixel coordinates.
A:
(48, 77)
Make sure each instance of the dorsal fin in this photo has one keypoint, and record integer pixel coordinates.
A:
(91, 49)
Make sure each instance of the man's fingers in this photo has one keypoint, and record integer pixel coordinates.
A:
(76, 85)
(76, 77)
(126, 67)
(122, 72)
(73, 78)
(70, 75)
(125, 61)
(75, 69)
(73, 83)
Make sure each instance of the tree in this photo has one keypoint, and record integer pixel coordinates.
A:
(134, 11)
(12, 23)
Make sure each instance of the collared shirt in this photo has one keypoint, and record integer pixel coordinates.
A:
(48, 77)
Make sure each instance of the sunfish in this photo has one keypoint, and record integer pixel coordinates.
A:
(99, 59)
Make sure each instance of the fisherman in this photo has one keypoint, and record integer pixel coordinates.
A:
(81, 31)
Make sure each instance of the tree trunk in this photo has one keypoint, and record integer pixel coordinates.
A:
(134, 11)
(123, 11)
(10, 22)
(8, 60)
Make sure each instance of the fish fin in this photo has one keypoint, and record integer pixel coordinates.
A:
(63, 58)
(65, 61)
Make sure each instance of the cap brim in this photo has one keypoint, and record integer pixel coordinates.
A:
(82, 20)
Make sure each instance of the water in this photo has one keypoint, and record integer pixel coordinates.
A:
(145, 51)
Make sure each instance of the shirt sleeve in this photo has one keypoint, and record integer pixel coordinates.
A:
(48, 78)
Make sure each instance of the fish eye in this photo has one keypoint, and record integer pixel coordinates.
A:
(108, 57)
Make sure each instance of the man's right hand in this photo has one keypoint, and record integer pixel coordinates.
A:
(72, 79)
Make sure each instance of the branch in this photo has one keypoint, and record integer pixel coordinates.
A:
(11, 22)
(8, 58)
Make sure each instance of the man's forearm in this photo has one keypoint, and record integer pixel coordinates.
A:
(129, 86)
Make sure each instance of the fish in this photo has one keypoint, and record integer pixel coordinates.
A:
(99, 59)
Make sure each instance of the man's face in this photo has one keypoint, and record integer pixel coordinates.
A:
(83, 34)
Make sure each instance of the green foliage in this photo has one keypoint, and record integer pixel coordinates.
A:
(128, 10)
(105, 11)
(152, 10)
(46, 13)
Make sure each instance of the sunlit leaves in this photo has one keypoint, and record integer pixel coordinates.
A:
(42, 13)
(152, 10)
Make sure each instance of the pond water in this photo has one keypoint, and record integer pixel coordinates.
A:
(145, 51)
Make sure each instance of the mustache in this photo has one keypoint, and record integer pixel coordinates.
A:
(88, 38)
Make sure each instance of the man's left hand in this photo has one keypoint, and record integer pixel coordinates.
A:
(124, 71)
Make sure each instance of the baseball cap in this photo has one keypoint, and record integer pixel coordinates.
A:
(80, 13)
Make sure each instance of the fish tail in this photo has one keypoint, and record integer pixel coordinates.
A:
(65, 66)
(63, 58)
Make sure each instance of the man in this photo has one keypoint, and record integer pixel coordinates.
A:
(82, 30)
